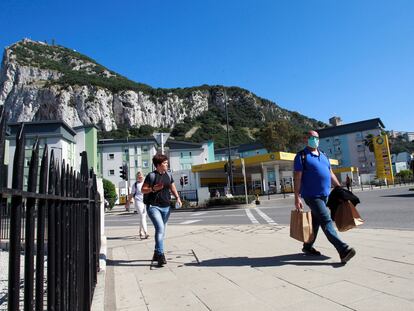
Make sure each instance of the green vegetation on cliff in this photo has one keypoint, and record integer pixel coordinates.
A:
(250, 117)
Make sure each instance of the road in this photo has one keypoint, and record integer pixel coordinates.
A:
(391, 208)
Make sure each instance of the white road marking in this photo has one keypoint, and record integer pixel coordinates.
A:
(199, 214)
(251, 217)
(187, 222)
(265, 217)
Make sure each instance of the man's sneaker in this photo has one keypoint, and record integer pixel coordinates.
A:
(347, 255)
(161, 260)
(311, 251)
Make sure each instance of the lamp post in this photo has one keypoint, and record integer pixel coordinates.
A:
(230, 165)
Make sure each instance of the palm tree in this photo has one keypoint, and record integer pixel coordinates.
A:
(368, 141)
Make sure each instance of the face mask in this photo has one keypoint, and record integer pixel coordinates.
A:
(313, 142)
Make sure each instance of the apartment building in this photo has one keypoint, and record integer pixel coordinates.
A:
(136, 153)
(346, 143)
(66, 143)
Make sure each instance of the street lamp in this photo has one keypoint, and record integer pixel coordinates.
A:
(230, 166)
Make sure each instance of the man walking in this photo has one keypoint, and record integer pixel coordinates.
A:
(158, 186)
(313, 179)
(348, 182)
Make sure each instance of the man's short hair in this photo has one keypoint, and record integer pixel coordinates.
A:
(158, 159)
(311, 133)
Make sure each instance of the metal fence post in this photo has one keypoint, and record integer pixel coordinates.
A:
(51, 235)
(40, 253)
(29, 231)
(15, 223)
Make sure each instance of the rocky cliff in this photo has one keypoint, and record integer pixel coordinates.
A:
(43, 82)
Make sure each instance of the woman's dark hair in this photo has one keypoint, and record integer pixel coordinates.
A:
(158, 159)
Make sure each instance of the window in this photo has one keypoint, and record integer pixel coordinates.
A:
(136, 163)
(111, 172)
(144, 148)
(111, 156)
(126, 151)
(145, 164)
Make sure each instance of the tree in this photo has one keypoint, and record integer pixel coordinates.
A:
(279, 136)
(109, 192)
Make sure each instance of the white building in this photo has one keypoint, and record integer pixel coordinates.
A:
(183, 155)
(136, 153)
(66, 143)
(401, 161)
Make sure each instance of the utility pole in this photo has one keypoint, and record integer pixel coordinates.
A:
(230, 164)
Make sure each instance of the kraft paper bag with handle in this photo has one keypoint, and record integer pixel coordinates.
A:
(301, 225)
(347, 217)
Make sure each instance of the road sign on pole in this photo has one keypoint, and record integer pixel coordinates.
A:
(161, 138)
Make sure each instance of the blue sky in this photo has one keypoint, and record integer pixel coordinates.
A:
(352, 58)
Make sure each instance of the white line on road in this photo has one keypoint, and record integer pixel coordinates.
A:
(187, 222)
(199, 214)
(265, 217)
(251, 217)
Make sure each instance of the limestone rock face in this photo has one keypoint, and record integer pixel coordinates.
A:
(27, 94)
(47, 82)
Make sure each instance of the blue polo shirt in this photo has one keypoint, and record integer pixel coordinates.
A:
(316, 178)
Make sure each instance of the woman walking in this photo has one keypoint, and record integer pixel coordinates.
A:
(139, 205)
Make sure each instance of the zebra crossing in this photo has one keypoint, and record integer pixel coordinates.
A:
(261, 214)
(255, 216)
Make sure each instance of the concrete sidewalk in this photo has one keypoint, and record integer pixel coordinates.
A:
(257, 267)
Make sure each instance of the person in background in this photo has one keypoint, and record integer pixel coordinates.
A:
(313, 180)
(157, 187)
(348, 182)
(138, 197)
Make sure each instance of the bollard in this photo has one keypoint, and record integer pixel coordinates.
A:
(257, 200)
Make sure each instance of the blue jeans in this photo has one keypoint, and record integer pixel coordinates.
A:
(159, 217)
(322, 218)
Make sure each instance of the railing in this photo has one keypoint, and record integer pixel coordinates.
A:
(60, 210)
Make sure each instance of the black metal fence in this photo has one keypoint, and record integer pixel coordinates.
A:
(54, 223)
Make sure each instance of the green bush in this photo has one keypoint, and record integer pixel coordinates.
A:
(405, 174)
(109, 192)
(240, 199)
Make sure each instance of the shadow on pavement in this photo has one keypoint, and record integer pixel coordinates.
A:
(128, 263)
(298, 259)
(407, 195)
(129, 237)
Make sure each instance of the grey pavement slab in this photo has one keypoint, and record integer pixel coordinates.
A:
(258, 267)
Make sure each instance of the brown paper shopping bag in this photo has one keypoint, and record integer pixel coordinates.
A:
(301, 225)
(347, 217)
